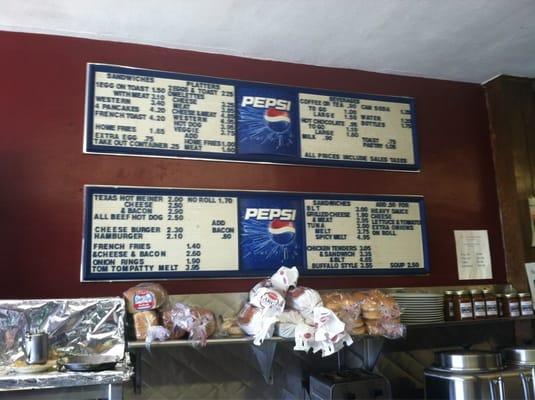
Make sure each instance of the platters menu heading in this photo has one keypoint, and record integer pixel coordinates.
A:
(146, 112)
(152, 233)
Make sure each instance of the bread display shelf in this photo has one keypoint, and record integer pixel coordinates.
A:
(134, 345)
(249, 340)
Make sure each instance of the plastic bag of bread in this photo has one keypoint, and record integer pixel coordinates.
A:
(168, 317)
(156, 332)
(229, 327)
(382, 315)
(198, 322)
(269, 299)
(281, 281)
(145, 296)
(285, 279)
(258, 322)
(287, 322)
(347, 307)
(250, 319)
(304, 299)
(143, 321)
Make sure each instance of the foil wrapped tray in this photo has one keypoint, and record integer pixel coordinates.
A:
(74, 326)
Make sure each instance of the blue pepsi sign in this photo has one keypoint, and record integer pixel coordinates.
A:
(270, 232)
(267, 121)
(160, 233)
(132, 111)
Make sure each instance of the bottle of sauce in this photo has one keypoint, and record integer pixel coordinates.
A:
(449, 315)
(499, 304)
(526, 305)
(511, 305)
(462, 305)
(491, 304)
(478, 304)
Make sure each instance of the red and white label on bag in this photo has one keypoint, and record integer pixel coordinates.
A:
(144, 300)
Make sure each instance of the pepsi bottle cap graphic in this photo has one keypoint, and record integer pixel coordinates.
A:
(282, 232)
(277, 120)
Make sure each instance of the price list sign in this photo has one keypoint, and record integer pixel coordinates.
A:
(155, 233)
(132, 111)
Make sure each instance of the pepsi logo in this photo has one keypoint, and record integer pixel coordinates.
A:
(277, 120)
(282, 232)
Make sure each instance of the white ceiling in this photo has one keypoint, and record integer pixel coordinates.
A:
(463, 40)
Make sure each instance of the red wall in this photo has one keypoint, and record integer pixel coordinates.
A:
(43, 170)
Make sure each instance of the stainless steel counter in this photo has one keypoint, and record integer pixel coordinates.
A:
(71, 385)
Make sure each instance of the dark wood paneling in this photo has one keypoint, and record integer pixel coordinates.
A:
(511, 104)
(43, 169)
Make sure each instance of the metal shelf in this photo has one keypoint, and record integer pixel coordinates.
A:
(468, 322)
(185, 342)
(133, 345)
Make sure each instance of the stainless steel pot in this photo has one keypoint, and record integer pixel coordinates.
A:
(36, 348)
(475, 361)
(475, 375)
(520, 356)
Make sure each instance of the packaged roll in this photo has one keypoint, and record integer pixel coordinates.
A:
(287, 322)
(304, 299)
(143, 321)
(204, 325)
(144, 297)
(230, 327)
(347, 307)
(265, 283)
(268, 299)
(285, 279)
(168, 318)
(250, 319)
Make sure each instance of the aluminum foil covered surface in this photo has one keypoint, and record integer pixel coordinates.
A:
(74, 326)
(55, 379)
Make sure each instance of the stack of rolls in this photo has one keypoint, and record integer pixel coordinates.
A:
(366, 312)
(347, 307)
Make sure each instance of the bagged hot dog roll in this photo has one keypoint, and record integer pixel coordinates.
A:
(287, 322)
(304, 299)
(250, 319)
(269, 299)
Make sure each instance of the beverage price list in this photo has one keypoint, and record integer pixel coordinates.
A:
(159, 233)
(132, 111)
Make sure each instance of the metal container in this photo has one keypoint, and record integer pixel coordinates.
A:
(520, 356)
(467, 361)
(36, 348)
(470, 375)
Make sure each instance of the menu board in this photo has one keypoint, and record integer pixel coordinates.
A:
(132, 111)
(158, 233)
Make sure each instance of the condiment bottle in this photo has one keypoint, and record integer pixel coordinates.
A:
(526, 305)
(462, 305)
(449, 314)
(511, 306)
(491, 304)
(478, 304)
(499, 304)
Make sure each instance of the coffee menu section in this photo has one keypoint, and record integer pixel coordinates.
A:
(157, 233)
(132, 111)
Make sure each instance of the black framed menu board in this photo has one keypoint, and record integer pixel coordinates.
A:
(161, 233)
(132, 111)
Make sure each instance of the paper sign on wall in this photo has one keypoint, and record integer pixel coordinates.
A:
(531, 202)
(473, 255)
(530, 272)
